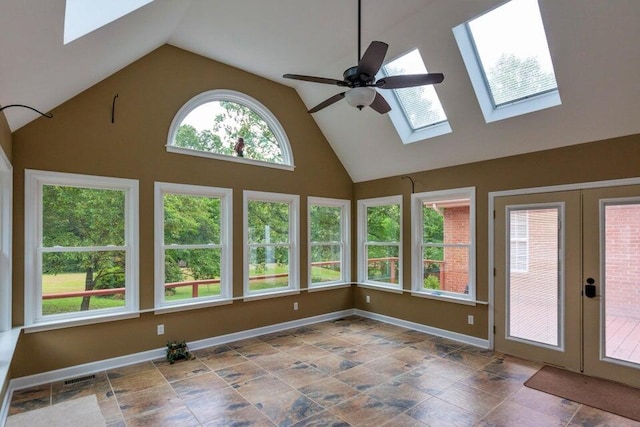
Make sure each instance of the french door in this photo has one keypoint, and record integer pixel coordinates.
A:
(567, 280)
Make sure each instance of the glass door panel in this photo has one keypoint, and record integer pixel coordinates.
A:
(534, 280)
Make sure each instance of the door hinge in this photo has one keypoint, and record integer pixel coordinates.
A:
(494, 214)
(494, 272)
(494, 329)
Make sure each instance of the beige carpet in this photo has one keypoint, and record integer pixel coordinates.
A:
(78, 412)
(595, 392)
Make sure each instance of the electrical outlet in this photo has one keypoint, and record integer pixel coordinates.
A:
(295, 305)
(470, 319)
(368, 299)
(160, 329)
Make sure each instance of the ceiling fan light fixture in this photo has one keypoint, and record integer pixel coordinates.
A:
(360, 97)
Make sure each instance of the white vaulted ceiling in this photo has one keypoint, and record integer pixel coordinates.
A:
(594, 46)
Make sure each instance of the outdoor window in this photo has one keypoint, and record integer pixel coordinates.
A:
(443, 242)
(416, 112)
(81, 249)
(271, 234)
(507, 57)
(193, 245)
(328, 241)
(5, 242)
(210, 124)
(519, 245)
(380, 242)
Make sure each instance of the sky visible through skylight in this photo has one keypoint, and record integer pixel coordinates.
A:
(81, 17)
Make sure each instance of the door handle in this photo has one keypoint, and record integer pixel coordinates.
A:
(590, 288)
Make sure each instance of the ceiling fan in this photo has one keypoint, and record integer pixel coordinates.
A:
(361, 79)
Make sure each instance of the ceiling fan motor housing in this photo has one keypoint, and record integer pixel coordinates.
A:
(357, 79)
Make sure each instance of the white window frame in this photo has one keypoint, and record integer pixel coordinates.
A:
(226, 247)
(363, 279)
(34, 182)
(6, 201)
(520, 239)
(294, 243)
(490, 111)
(417, 225)
(238, 98)
(344, 243)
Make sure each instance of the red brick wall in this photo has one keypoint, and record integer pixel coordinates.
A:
(456, 259)
(622, 262)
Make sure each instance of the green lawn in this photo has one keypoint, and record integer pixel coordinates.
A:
(73, 282)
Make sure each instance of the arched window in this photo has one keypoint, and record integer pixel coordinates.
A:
(210, 124)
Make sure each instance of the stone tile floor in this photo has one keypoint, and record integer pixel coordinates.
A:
(353, 371)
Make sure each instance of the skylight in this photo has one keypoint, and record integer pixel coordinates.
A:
(416, 112)
(82, 16)
(507, 56)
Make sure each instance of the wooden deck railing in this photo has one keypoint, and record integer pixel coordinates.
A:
(196, 283)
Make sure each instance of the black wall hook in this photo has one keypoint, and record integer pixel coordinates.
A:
(113, 109)
(47, 115)
(413, 184)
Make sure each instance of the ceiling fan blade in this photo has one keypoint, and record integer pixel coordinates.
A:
(372, 59)
(380, 104)
(409, 80)
(315, 79)
(327, 102)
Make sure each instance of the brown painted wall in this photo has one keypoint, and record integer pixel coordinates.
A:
(82, 139)
(603, 160)
(5, 136)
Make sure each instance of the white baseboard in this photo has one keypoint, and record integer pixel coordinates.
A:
(466, 339)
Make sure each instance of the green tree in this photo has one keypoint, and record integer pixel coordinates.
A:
(512, 77)
(234, 121)
(74, 217)
(190, 220)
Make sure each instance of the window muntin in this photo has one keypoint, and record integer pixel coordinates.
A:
(416, 112)
(380, 242)
(81, 247)
(519, 241)
(271, 230)
(444, 243)
(193, 244)
(210, 124)
(506, 54)
(329, 261)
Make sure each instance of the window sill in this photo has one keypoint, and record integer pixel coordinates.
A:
(196, 153)
(61, 324)
(8, 343)
(447, 298)
(393, 289)
(191, 306)
(271, 295)
(328, 287)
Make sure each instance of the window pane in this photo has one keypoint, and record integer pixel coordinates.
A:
(192, 264)
(268, 222)
(420, 104)
(325, 263)
(621, 285)
(82, 281)
(433, 230)
(383, 223)
(326, 223)
(268, 268)
(216, 126)
(81, 217)
(382, 263)
(534, 294)
(512, 48)
(191, 220)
